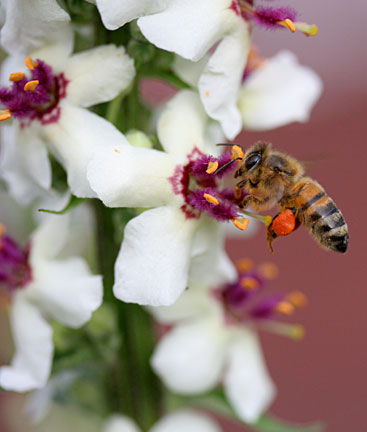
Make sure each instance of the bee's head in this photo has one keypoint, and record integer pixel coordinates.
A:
(253, 160)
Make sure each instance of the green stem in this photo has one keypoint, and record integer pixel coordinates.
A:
(114, 107)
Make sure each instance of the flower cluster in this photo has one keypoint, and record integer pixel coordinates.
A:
(75, 128)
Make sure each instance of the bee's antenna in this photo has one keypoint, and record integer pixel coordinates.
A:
(225, 144)
(227, 164)
(231, 145)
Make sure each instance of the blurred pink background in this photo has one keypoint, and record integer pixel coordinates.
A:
(323, 377)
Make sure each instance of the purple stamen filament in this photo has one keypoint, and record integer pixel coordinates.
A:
(40, 103)
(15, 271)
(194, 184)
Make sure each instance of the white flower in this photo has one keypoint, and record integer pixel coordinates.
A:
(29, 24)
(162, 245)
(179, 421)
(55, 118)
(43, 287)
(190, 28)
(278, 92)
(202, 350)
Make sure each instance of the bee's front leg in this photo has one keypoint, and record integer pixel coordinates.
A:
(258, 203)
(247, 201)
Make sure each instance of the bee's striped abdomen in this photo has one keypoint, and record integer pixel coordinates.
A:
(325, 221)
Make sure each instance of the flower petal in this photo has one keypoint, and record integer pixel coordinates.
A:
(31, 364)
(74, 145)
(115, 13)
(119, 423)
(184, 421)
(220, 81)
(57, 49)
(24, 163)
(29, 24)
(49, 238)
(181, 126)
(127, 176)
(98, 75)
(248, 386)
(190, 358)
(281, 92)
(188, 27)
(189, 71)
(210, 264)
(147, 271)
(196, 301)
(66, 290)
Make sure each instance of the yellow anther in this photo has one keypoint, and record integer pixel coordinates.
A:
(244, 264)
(5, 115)
(237, 152)
(31, 85)
(212, 167)
(297, 298)
(117, 151)
(288, 24)
(16, 76)
(285, 308)
(268, 270)
(307, 29)
(249, 283)
(2, 229)
(241, 223)
(268, 220)
(207, 94)
(30, 63)
(297, 331)
(211, 199)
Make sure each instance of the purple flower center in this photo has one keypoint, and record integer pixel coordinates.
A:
(246, 300)
(269, 17)
(15, 271)
(40, 103)
(201, 191)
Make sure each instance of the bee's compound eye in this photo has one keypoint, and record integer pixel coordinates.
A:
(253, 160)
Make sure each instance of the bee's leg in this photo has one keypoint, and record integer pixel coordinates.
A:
(270, 237)
(250, 199)
(246, 201)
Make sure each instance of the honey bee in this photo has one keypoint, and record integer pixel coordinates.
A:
(273, 178)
